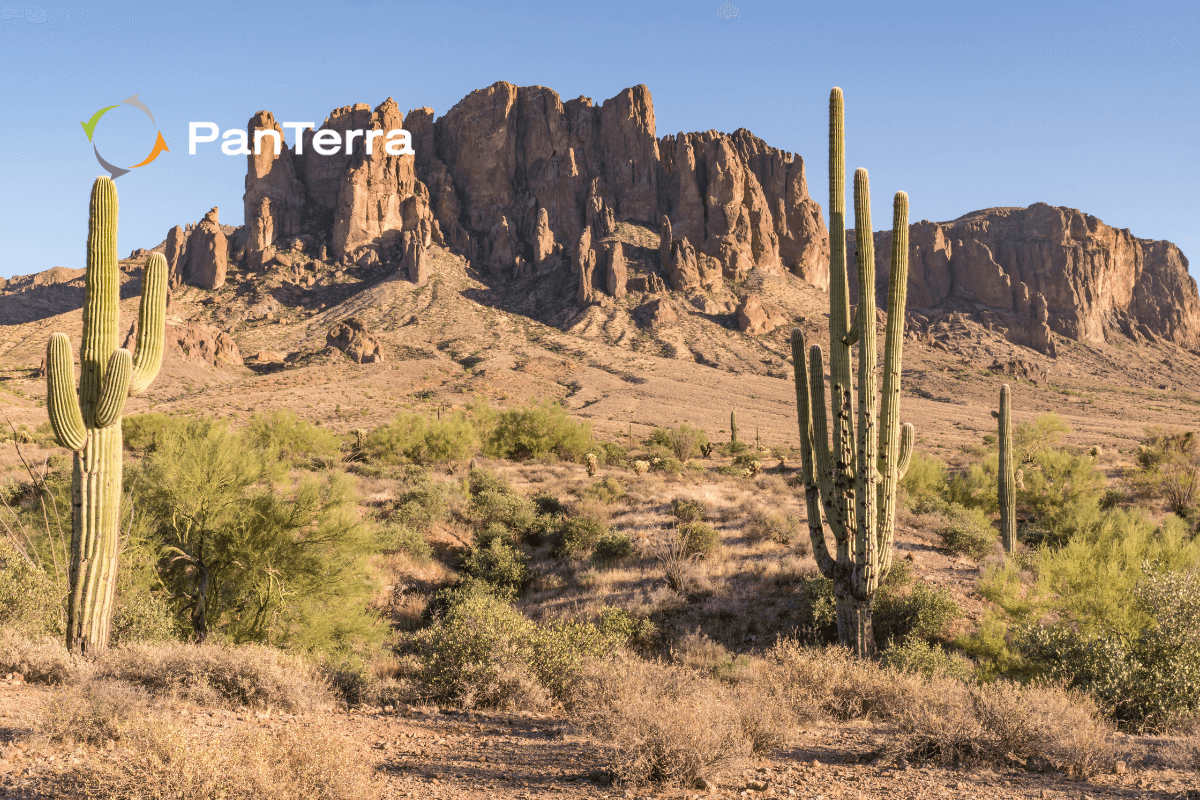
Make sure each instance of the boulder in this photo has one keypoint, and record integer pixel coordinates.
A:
(656, 313)
(756, 317)
(353, 338)
(207, 254)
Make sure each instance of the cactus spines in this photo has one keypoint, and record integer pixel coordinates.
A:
(1006, 480)
(88, 422)
(733, 427)
(853, 480)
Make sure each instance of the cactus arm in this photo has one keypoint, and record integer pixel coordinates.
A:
(147, 356)
(812, 493)
(61, 401)
(897, 449)
(866, 477)
(114, 388)
(1006, 482)
(101, 304)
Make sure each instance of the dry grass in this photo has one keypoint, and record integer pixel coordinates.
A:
(162, 760)
(246, 675)
(38, 660)
(666, 723)
(91, 713)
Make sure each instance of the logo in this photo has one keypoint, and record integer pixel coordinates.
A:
(159, 144)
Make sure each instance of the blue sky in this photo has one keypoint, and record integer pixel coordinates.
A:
(963, 105)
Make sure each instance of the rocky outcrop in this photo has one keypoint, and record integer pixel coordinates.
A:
(656, 313)
(175, 251)
(511, 176)
(756, 317)
(358, 206)
(353, 338)
(1045, 270)
(195, 341)
(586, 257)
(617, 276)
(415, 263)
(683, 271)
(207, 254)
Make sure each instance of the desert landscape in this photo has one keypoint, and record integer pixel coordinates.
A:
(479, 473)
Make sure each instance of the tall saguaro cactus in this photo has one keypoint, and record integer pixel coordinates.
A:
(1006, 480)
(88, 421)
(853, 479)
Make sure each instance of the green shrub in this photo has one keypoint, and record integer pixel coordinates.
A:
(139, 616)
(1031, 438)
(579, 535)
(686, 510)
(417, 437)
(610, 453)
(140, 431)
(396, 537)
(607, 491)
(1169, 468)
(774, 527)
(922, 613)
(924, 484)
(537, 432)
(422, 504)
(669, 465)
(547, 503)
(517, 513)
(968, 532)
(699, 539)
(634, 631)
(29, 599)
(483, 480)
(285, 437)
(928, 660)
(613, 546)
(683, 441)
(500, 565)
(480, 651)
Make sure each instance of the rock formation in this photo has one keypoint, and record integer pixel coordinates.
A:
(196, 341)
(1042, 269)
(175, 250)
(353, 338)
(617, 276)
(585, 267)
(512, 176)
(656, 313)
(206, 258)
(415, 264)
(756, 317)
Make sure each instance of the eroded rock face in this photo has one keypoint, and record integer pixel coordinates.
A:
(354, 339)
(512, 176)
(617, 276)
(196, 341)
(175, 252)
(757, 317)
(656, 313)
(586, 258)
(1046, 270)
(207, 256)
(415, 264)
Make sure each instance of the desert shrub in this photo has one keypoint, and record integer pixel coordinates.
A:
(953, 723)
(1169, 468)
(140, 616)
(245, 675)
(607, 491)
(670, 465)
(774, 527)
(417, 437)
(1031, 438)
(918, 656)
(164, 759)
(699, 539)
(686, 510)
(546, 503)
(924, 484)
(1149, 678)
(500, 565)
(697, 651)
(422, 503)
(285, 437)
(517, 513)
(610, 453)
(975, 486)
(536, 432)
(480, 651)
(579, 536)
(92, 712)
(710, 729)
(482, 479)
(677, 566)
(922, 612)
(396, 537)
(830, 683)
(39, 659)
(140, 432)
(1055, 480)
(967, 532)
(634, 631)
(29, 598)
(683, 441)
(613, 546)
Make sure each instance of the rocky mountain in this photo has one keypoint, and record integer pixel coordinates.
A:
(1031, 271)
(526, 185)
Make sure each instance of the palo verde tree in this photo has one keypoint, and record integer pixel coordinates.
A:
(854, 479)
(88, 420)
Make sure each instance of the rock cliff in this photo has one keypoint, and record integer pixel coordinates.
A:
(518, 180)
(1042, 269)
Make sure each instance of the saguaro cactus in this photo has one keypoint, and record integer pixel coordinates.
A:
(1006, 479)
(854, 479)
(733, 427)
(89, 421)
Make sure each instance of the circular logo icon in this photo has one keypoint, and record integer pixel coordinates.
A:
(160, 144)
